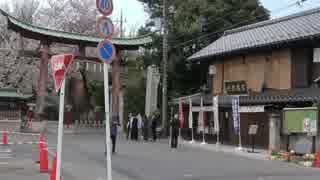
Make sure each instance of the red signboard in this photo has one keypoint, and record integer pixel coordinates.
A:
(60, 64)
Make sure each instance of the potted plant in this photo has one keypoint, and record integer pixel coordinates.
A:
(308, 160)
(274, 154)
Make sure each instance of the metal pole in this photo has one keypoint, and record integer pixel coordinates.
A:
(164, 77)
(107, 115)
(60, 130)
(203, 125)
(170, 135)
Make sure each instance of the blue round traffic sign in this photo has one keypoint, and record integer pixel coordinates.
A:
(106, 51)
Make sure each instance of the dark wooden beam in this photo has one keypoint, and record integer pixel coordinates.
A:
(37, 54)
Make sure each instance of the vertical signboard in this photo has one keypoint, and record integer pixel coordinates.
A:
(216, 114)
(236, 115)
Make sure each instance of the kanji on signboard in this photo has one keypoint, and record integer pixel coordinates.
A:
(60, 65)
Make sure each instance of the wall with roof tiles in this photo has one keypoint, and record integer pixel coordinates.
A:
(269, 69)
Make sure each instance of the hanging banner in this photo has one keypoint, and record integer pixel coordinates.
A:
(216, 114)
(236, 115)
(60, 65)
(190, 114)
(181, 115)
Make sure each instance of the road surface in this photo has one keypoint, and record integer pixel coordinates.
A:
(83, 158)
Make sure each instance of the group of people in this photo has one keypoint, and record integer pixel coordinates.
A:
(138, 125)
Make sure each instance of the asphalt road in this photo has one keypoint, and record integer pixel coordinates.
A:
(83, 158)
(17, 162)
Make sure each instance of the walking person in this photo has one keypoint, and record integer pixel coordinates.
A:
(114, 131)
(134, 129)
(174, 131)
(154, 128)
(129, 125)
(140, 126)
(145, 128)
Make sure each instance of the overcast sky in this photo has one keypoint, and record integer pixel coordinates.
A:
(134, 12)
(135, 15)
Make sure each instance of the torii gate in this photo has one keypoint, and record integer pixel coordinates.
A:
(49, 36)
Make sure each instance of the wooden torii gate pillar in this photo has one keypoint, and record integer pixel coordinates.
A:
(43, 78)
(115, 75)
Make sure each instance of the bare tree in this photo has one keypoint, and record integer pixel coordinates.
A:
(78, 16)
(15, 72)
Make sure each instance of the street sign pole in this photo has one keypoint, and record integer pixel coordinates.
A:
(106, 54)
(107, 115)
(60, 130)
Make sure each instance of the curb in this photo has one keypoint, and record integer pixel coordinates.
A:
(214, 148)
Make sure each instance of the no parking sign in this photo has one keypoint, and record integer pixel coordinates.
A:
(106, 51)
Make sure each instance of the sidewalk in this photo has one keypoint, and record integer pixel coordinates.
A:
(258, 154)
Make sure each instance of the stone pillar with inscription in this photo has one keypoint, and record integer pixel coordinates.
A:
(274, 131)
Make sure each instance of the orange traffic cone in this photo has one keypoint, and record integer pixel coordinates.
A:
(317, 163)
(5, 137)
(44, 163)
(41, 145)
(54, 168)
(42, 142)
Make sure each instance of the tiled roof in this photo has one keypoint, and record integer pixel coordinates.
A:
(283, 96)
(61, 36)
(309, 95)
(291, 28)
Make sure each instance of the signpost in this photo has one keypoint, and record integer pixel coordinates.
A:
(60, 66)
(105, 7)
(105, 27)
(106, 52)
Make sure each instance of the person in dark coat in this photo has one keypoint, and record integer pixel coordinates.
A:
(134, 129)
(114, 131)
(145, 128)
(154, 128)
(174, 131)
(129, 126)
